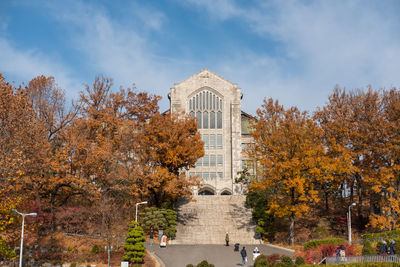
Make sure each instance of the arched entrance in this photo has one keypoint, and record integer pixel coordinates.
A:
(226, 192)
(206, 191)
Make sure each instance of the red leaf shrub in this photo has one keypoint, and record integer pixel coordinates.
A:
(327, 250)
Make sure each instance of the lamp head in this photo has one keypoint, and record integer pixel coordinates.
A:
(353, 204)
(32, 214)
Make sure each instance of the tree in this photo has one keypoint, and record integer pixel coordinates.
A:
(356, 130)
(134, 247)
(170, 145)
(288, 147)
(159, 219)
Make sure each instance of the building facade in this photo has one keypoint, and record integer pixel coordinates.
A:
(216, 104)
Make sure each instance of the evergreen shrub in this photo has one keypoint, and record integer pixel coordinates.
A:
(134, 246)
(261, 261)
(95, 249)
(300, 260)
(287, 261)
(317, 242)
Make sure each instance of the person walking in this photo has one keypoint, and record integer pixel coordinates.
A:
(392, 248)
(384, 249)
(227, 239)
(151, 238)
(243, 253)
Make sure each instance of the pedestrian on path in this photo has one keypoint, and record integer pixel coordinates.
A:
(151, 238)
(244, 255)
(227, 239)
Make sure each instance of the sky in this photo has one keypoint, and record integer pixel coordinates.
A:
(293, 51)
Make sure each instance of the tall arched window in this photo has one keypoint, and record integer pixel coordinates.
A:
(208, 109)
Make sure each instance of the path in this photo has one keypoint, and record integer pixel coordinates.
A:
(219, 255)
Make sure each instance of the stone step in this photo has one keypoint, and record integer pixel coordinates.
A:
(206, 219)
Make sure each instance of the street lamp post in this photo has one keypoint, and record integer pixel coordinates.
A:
(22, 232)
(349, 221)
(137, 204)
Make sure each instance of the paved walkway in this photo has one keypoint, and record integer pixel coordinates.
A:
(219, 255)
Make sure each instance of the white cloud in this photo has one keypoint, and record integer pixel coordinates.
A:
(324, 43)
(27, 64)
(120, 51)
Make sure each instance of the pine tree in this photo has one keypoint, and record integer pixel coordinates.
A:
(134, 247)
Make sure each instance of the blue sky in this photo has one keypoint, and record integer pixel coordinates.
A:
(293, 51)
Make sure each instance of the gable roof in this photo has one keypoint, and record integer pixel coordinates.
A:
(206, 71)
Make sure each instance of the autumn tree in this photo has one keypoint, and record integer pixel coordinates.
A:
(291, 158)
(355, 128)
(169, 146)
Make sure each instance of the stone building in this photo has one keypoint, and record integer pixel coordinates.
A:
(216, 104)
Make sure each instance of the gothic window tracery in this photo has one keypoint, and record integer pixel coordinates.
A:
(208, 110)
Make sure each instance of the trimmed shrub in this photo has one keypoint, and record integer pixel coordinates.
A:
(300, 260)
(204, 263)
(134, 247)
(317, 242)
(287, 261)
(189, 265)
(368, 249)
(261, 261)
(364, 264)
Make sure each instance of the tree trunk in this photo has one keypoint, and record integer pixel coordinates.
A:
(291, 229)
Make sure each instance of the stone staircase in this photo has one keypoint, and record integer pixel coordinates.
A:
(206, 219)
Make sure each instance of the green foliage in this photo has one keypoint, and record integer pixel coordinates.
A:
(317, 242)
(300, 260)
(368, 249)
(153, 218)
(279, 264)
(320, 232)
(287, 261)
(267, 224)
(203, 263)
(363, 264)
(134, 247)
(6, 251)
(73, 265)
(383, 235)
(95, 249)
(261, 261)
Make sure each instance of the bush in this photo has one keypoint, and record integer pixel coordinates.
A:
(317, 242)
(73, 265)
(189, 265)
(368, 249)
(204, 263)
(383, 235)
(261, 261)
(327, 250)
(95, 249)
(287, 261)
(134, 247)
(300, 260)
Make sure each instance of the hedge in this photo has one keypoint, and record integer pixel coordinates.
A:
(363, 264)
(382, 235)
(317, 242)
